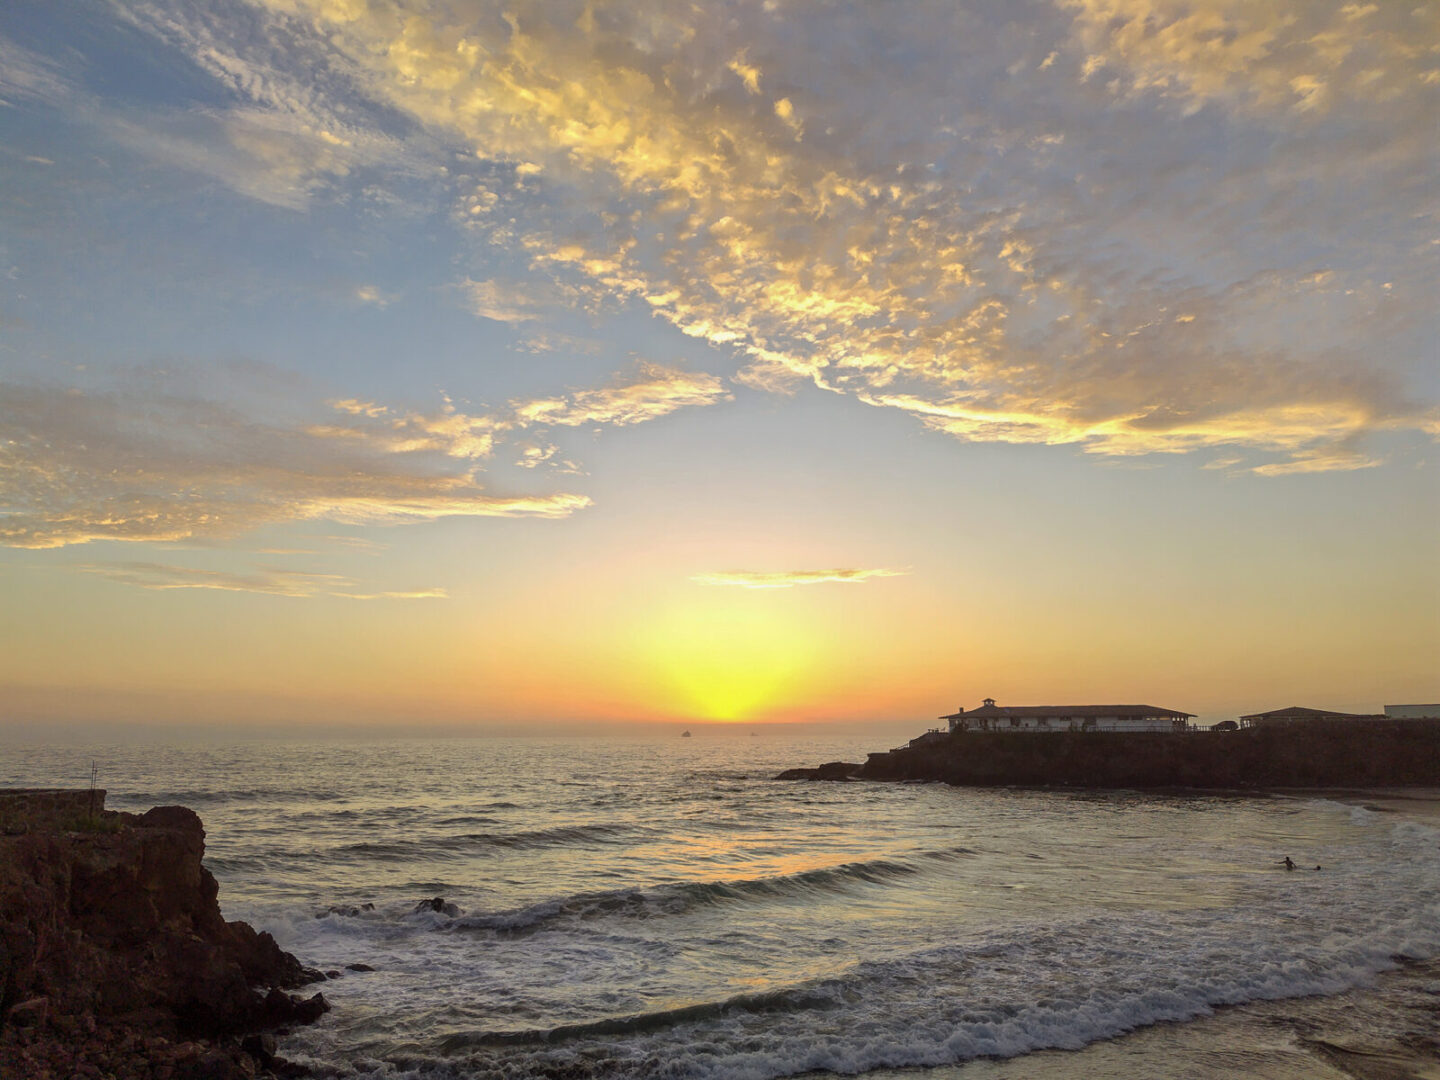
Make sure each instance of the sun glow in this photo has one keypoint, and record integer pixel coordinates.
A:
(725, 661)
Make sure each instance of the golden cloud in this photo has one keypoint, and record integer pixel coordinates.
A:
(1298, 57)
(870, 240)
(653, 391)
(785, 579)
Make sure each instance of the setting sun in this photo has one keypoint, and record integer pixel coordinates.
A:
(728, 659)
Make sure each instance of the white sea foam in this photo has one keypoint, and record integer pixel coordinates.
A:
(1013, 988)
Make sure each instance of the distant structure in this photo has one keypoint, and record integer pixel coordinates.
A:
(1298, 714)
(1413, 712)
(992, 717)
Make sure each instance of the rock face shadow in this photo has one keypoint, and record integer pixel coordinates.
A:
(113, 949)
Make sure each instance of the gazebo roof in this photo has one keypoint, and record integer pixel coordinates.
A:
(1300, 712)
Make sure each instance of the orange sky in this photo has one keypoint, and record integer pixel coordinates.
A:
(564, 366)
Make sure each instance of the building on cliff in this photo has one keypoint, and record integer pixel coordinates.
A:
(1413, 712)
(1298, 714)
(992, 717)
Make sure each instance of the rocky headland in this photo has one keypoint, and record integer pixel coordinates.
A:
(1311, 755)
(115, 960)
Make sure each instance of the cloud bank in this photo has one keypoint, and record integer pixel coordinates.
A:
(1133, 226)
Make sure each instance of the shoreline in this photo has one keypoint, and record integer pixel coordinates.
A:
(1388, 1030)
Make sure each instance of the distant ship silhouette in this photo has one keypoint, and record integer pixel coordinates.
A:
(685, 735)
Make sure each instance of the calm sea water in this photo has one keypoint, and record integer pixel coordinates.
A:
(663, 908)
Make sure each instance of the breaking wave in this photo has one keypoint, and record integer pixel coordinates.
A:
(676, 899)
(1059, 987)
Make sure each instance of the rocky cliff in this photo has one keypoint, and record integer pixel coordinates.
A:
(1379, 754)
(115, 959)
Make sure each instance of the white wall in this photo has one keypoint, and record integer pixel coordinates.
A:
(1069, 723)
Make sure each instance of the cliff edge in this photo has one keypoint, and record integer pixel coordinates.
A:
(1313, 755)
(114, 956)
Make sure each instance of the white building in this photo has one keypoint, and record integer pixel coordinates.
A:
(1413, 712)
(992, 717)
(1299, 714)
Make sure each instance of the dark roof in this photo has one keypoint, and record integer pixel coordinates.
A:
(1300, 712)
(1069, 710)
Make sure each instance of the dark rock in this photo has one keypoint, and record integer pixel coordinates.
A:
(332, 974)
(831, 770)
(799, 774)
(265, 963)
(113, 950)
(260, 1047)
(349, 911)
(358, 967)
(311, 1009)
(281, 1008)
(437, 904)
(32, 1013)
(217, 1064)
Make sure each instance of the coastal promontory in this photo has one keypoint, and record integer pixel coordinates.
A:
(1319, 754)
(115, 959)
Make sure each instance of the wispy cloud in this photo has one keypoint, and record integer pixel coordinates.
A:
(143, 464)
(28, 76)
(1321, 460)
(505, 302)
(651, 392)
(270, 581)
(785, 579)
(648, 392)
(372, 295)
(80, 465)
(288, 133)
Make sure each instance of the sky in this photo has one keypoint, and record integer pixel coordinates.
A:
(551, 365)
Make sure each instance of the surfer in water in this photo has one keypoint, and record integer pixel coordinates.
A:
(1289, 863)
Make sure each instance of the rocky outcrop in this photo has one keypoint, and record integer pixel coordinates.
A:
(1317, 754)
(831, 770)
(111, 937)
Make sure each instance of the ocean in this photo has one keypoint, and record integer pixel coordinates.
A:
(661, 907)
